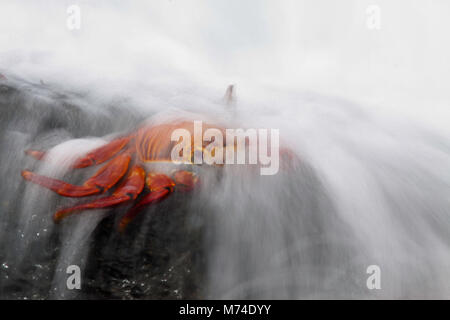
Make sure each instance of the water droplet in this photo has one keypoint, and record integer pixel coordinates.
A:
(4, 265)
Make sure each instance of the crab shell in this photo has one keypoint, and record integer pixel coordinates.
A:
(128, 155)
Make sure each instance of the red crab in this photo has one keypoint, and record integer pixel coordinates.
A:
(128, 154)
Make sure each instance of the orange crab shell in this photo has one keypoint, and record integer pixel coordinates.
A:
(155, 144)
(151, 143)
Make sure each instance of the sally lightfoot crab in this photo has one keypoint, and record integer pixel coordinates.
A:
(134, 160)
(128, 156)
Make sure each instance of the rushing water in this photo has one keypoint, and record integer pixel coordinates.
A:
(364, 194)
(372, 187)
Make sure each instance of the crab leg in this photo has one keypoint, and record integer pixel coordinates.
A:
(96, 156)
(160, 187)
(127, 191)
(102, 154)
(152, 197)
(102, 180)
(38, 155)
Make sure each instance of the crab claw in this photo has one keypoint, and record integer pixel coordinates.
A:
(160, 187)
(151, 198)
